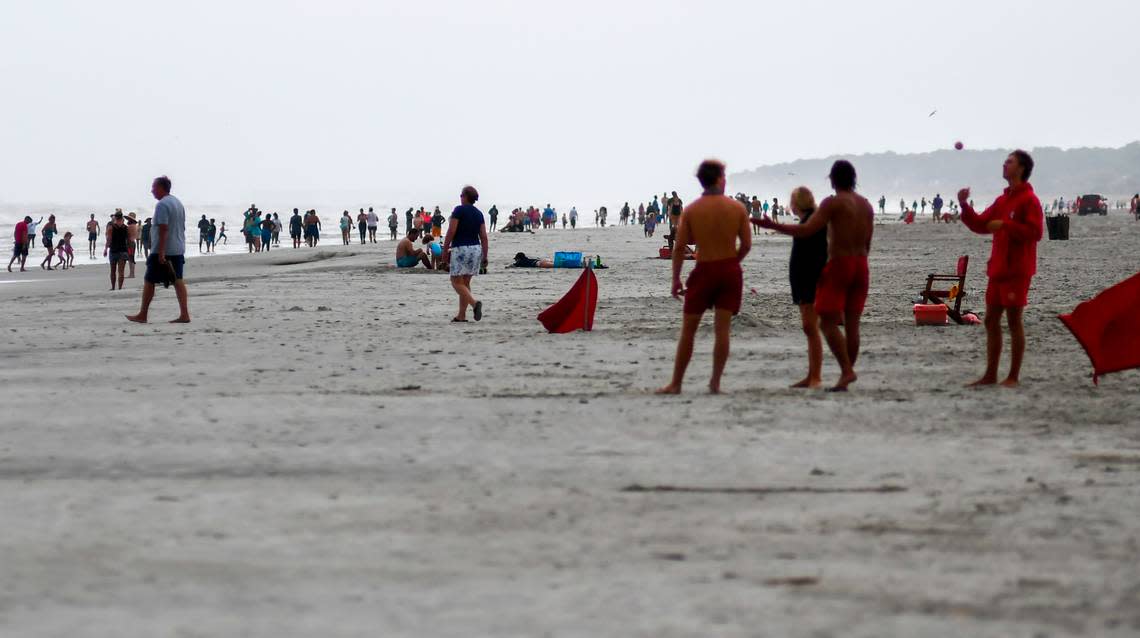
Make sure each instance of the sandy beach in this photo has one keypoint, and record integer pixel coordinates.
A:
(320, 453)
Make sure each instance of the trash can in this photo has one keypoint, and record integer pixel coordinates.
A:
(1058, 227)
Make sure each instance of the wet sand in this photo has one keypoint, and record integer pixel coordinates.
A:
(275, 469)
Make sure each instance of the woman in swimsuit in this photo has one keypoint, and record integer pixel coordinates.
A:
(809, 256)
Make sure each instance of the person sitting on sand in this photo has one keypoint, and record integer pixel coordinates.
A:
(718, 225)
(407, 255)
(842, 291)
(809, 256)
(434, 251)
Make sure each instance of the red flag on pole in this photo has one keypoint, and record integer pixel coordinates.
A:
(574, 311)
(1108, 327)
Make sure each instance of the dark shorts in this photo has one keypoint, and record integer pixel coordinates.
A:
(295, 233)
(155, 272)
(20, 249)
(804, 280)
(714, 284)
(92, 236)
(843, 286)
(1008, 293)
(116, 257)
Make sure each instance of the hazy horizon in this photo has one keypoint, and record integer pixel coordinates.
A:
(390, 104)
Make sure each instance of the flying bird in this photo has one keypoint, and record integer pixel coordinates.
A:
(932, 113)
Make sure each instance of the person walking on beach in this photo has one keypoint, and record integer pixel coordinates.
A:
(1015, 220)
(49, 230)
(203, 227)
(221, 234)
(295, 224)
(493, 217)
(145, 232)
(115, 248)
(719, 226)
(92, 235)
(882, 204)
(362, 227)
(842, 291)
(393, 222)
(373, 223)
(809, 256)
(345, 227)
(277, 230)
(211, 236)
(20, 247)
(266, 231)
(465, 250)
(132, 242)
(166, 264)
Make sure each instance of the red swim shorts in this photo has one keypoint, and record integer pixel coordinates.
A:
(714, 284)
(843, 286)
(1008, 293)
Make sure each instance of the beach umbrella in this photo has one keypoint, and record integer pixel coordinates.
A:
(1108, 327)
(575, 310)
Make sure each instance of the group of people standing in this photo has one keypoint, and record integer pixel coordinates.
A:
(829, 272)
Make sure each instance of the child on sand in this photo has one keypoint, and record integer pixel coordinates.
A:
(809, 256)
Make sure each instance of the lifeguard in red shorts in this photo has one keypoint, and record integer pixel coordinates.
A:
(842, 289)
(1015, 220)
(716, 224)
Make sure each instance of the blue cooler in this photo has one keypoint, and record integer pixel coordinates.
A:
(567, 260)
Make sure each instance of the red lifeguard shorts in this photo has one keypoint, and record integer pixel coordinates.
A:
(714, 284)
(843, 286)
(1008, 293)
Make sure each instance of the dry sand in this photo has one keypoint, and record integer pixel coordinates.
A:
(372, 470)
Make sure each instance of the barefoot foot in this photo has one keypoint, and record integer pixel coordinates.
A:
(844, 381)
(807, 383)
(1011, 383)
(180, 320)
(669, 389)
(984, 381)
(137, 318)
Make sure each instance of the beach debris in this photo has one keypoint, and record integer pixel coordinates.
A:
(674, 556)
(296, 309)
(792, 581)
(323, 309)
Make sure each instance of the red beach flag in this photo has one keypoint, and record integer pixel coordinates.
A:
(1108, 327)
(574, 311)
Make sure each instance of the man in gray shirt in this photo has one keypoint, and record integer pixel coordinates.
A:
(168, 251)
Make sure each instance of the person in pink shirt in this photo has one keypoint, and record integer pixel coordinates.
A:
(20, 251)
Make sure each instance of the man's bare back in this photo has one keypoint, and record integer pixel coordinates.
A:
(714, 223)
(850, 220)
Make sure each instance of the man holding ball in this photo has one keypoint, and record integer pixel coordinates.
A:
(1016, 221)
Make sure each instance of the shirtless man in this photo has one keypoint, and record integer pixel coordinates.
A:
(1015, 220)
(843, 285)
(407, 255)
(714, 223)
(92, 234)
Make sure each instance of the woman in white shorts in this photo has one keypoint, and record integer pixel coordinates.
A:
(465, 250)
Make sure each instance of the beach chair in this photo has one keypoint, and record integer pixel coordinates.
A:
(932, 296)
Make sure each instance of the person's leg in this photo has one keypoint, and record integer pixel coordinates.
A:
(722, 326)
(809, 321)
(114, 265)
(122, 272)
(464, 297)
(183, 301)
(689, 325)
(131, 262)
(829, 324)
(993, 345)
(1016, 346)
(851, 334)
(147, 296)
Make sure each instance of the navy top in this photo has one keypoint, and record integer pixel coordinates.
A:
(470, 220)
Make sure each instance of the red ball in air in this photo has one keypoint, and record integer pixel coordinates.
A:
(959, 146)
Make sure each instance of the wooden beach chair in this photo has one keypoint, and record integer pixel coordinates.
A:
(932, 296)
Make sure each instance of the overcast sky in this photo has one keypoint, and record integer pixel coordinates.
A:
(581, 102)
